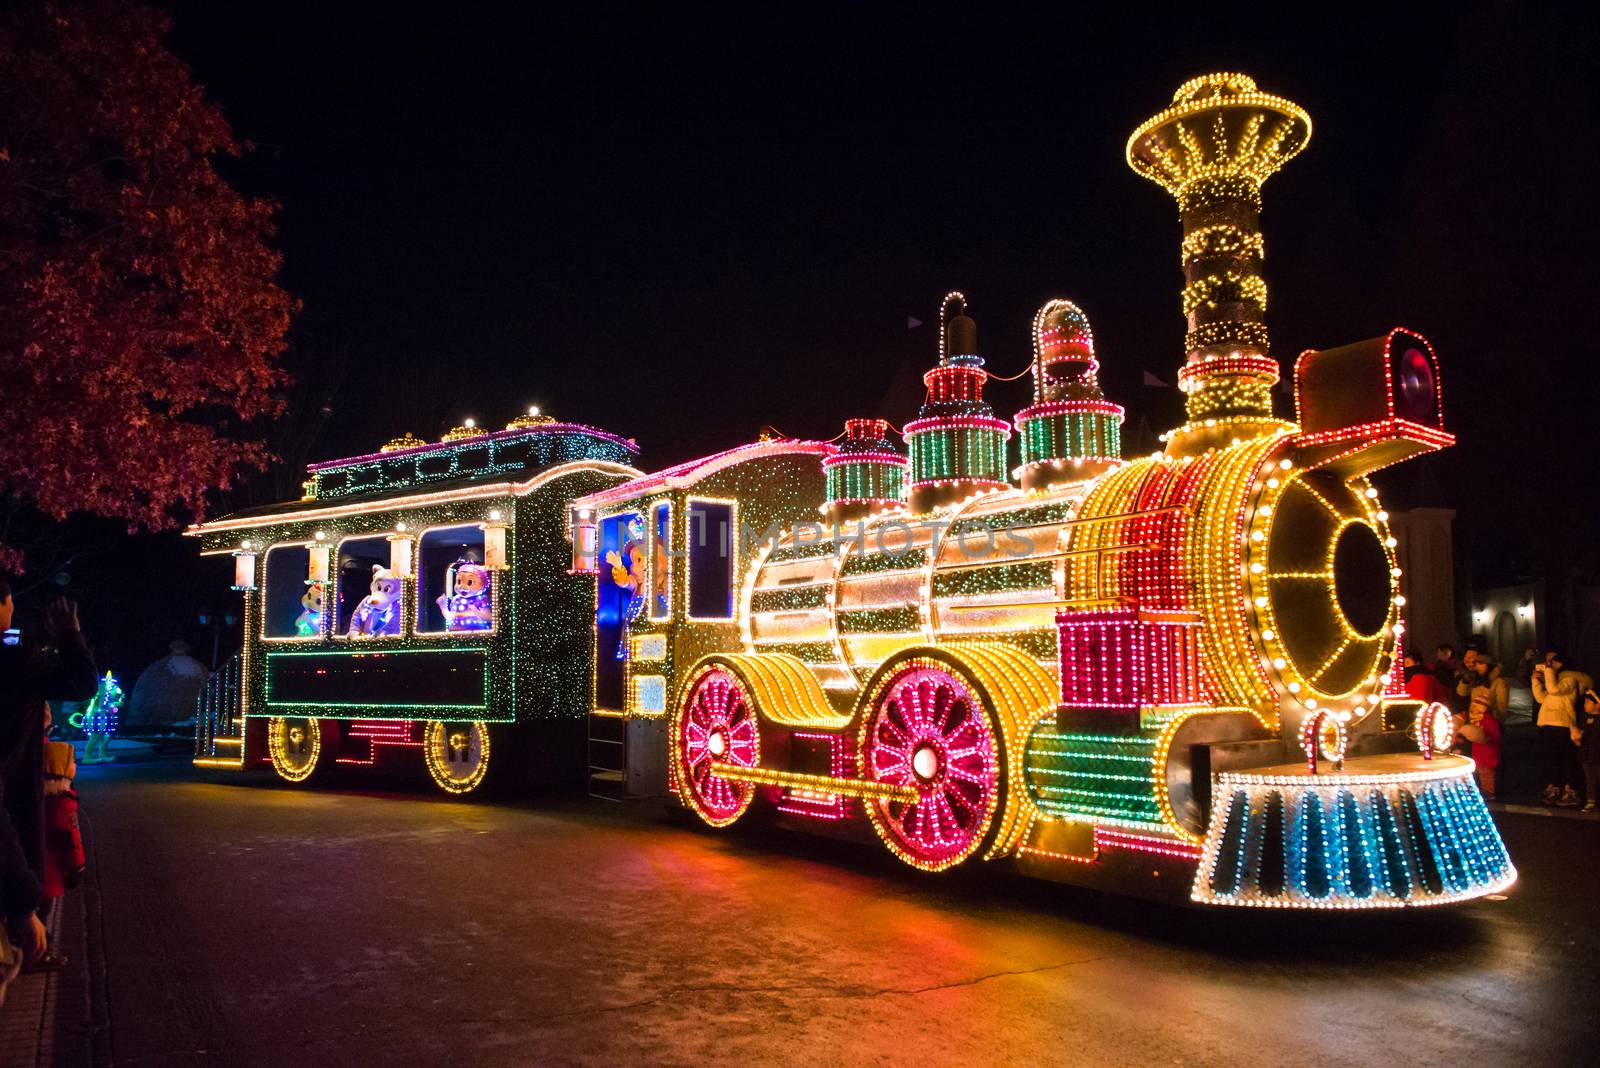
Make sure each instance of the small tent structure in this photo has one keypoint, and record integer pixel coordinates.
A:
(166, 691)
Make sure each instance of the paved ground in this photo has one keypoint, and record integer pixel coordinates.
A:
(240, 922)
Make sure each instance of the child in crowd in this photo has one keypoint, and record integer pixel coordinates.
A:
(1588, 738)
(1479, 725)
(63, 845)
(63, 859)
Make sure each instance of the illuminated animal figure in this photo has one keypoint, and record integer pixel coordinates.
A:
(379, 610)
(309, 623)
(468, 606)
(99, 721)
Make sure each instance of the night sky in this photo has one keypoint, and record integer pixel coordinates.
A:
(683, 226)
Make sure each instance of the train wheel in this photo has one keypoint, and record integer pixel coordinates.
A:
(457, 754)
(927, 728)
(296, 747)
(715, 725)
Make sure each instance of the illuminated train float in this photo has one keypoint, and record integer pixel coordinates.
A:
(1172, 675)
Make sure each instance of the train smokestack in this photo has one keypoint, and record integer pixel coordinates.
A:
(1212, 150)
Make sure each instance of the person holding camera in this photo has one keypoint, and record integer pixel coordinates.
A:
(1556, 690)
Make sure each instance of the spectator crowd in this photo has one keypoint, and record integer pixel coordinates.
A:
(1477, 691)
(41, 855)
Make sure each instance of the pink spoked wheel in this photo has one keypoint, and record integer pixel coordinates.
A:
(926, 728)
(716, 725)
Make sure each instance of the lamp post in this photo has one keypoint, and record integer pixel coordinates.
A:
(216, 622)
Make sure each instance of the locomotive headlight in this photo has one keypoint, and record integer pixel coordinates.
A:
(1322, 575)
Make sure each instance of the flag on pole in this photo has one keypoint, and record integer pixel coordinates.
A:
(1152, 380)
(912, 322)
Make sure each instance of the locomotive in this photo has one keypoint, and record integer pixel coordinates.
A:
(1174, 674)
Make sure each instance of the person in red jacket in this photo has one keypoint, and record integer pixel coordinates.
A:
(63, 846)
(1422, 684)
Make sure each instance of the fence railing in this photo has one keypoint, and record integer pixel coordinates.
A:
(218, 726)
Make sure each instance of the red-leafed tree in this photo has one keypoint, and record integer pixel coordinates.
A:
(140, 323)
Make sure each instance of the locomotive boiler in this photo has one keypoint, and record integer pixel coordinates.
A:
(1171, 674)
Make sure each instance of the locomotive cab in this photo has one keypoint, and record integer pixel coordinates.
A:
(1173, 674)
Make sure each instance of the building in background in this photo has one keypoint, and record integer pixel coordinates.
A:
(1428, 578)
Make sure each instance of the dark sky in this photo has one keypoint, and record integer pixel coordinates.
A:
(684, 224)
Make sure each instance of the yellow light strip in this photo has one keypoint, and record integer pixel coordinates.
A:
(865, 788)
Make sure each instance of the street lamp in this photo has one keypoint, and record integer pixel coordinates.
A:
(216, 622)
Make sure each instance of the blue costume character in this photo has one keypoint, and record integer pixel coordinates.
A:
(627, 571)
(379, 611)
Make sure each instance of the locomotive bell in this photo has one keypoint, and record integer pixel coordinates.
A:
(960, 336)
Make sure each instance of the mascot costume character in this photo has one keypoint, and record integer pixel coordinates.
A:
(467, 606)
(379, 611)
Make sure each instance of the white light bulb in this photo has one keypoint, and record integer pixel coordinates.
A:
(469, 422)
(494, 515)
(1371, 493)
(533, 409)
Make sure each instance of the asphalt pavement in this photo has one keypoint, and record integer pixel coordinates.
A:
(239, 921)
